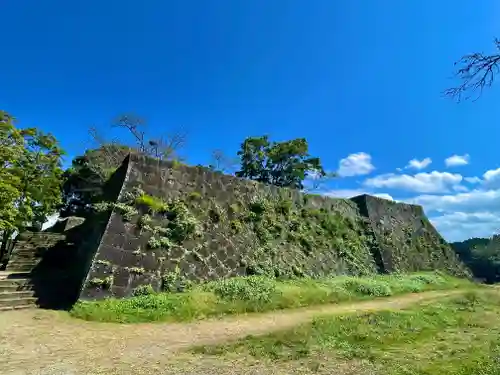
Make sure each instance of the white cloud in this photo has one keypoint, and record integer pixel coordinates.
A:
(457, 160)
(472, 201)
(472, 180)
(433, 182)
(457, 226)
(491, 178)
(419, 164)
(460, 188)
(349, 193)
(355, 165)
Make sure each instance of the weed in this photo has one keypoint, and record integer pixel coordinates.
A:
(136, 270)
(143, 290)
(101, 283)
(253, 293)
(442, 338)
(154, 204)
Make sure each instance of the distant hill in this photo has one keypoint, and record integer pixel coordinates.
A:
(482, 256)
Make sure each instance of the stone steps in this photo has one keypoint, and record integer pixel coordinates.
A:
(16, 294)
(17, 290)
(24, 267)
(14, 275)
(7, 285)
(18, 307)
(13, 300)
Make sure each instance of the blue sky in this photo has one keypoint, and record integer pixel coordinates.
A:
(360, 79)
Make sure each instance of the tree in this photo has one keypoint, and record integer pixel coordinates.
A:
(283, 164)
(11, 149)
(84, 180)
(482, 256)
(30, 175)
(222, 163)
(476, 71)
(88, 173)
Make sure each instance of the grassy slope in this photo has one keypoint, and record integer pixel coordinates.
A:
(459, 335)
(257, 294)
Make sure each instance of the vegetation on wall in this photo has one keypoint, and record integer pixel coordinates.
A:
(283, 238)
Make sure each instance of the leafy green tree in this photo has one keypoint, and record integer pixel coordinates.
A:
(11, 149)
(284, 164)
(31, 174)
(482, 256)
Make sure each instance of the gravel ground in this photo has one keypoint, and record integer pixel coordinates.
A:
(42, 342)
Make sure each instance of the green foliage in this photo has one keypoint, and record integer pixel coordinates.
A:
(236, 226)
(253, 294)
(127, 212)
(305, 233)
(194, 195)
(456, 336)
(103, 262)
(143, 290)
(145, 221)
(30, 176)
(369, 287)
(84, 180)
(182, 224)
(154, 204)
(175, 282)
(102, 283)
(284, 164)
(482, 256)
(136, 270)
(255, 289)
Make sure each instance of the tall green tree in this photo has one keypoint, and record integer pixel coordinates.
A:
(283, 164)
(31, 174)
(11, 149)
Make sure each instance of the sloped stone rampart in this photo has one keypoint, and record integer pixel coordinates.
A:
(174, 224)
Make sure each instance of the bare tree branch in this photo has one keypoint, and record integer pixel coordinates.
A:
(221, 162)
(134, 125)
(476, 71)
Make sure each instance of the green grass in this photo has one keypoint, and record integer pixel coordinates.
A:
(459, 335)
(257, 294)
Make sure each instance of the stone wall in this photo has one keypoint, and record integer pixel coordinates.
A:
(174, 224)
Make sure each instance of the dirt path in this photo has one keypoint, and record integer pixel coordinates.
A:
(48, 342)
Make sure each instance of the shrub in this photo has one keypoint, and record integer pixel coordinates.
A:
(369, 287)
(251, 288)
(143, 290)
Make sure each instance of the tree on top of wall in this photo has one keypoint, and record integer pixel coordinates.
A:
(88, 173)
(283, 164)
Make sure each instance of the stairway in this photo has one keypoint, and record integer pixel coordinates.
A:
(30, 249)
(17, 289)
